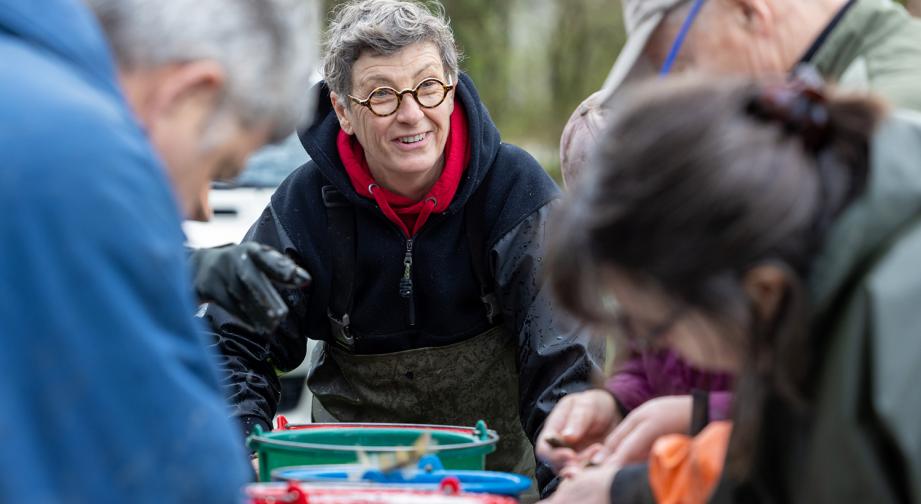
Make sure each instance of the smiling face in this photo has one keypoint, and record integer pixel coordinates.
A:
(407, 146)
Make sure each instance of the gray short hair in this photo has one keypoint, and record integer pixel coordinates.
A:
(268, 48)
(384, 27)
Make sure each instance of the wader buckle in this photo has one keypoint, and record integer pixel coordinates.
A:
(492, 307)
(342, 336)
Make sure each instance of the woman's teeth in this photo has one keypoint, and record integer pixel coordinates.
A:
(412, 139)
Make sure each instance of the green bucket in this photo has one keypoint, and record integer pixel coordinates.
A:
(459, 448)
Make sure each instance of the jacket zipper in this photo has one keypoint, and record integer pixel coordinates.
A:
(406, 283)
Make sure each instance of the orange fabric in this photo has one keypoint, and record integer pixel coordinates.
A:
(685, 469)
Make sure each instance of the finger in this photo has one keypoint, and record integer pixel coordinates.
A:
(580, 419)
(263, 305)
(570, 471)
(552, 426)
(559, 458)
(558, 417)
(279, 267)
(614, 439)
(585, 456)
(634, 448)
(581, 460)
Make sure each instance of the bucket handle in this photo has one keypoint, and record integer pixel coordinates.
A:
(481, 431)
(451, 485)
(281, 423)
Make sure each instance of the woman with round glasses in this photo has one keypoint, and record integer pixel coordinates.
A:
(423, 233)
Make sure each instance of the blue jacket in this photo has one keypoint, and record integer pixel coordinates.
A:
(109, 393)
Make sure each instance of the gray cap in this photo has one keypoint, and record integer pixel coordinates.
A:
(641, 18)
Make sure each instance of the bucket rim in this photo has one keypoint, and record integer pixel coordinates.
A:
(370, 425)
(491, 439)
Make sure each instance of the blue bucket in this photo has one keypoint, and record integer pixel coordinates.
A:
(429, 474)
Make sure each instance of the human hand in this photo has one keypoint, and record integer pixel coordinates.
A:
(589, 486)
(631, 441)
(239, 279)
(578, 421)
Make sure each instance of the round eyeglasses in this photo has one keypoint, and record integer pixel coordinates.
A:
(384, 101)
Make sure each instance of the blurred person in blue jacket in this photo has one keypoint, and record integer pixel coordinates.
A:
(111, 127)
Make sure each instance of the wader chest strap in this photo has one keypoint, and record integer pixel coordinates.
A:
(340, 226)
(476, 241)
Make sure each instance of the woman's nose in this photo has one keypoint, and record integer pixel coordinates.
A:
(409, 110)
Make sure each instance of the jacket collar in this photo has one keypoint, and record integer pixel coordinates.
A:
(869, 226)
(861, 27)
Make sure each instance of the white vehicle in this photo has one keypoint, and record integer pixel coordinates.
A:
(236, 207)
(239, 203)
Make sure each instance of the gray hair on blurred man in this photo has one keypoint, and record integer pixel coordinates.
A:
(211, 80)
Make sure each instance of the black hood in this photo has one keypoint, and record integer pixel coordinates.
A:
(319, 140)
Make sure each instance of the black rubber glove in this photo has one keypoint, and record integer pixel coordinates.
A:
(239, 278)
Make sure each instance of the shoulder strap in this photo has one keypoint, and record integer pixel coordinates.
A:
(340, 226)
(700, 410)
(479, 256)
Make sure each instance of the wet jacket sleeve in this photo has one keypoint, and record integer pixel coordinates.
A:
(251, 362)
(554, 358)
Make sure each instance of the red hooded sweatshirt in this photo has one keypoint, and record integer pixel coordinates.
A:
(407, 214)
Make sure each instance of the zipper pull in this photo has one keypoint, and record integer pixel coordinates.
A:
(406, 282)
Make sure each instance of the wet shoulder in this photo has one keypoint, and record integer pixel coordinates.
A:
(516, 187)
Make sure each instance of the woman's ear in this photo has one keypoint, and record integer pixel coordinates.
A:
(765, 285)
(342, 112)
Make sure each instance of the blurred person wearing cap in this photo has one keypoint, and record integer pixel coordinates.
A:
(861, 44)
(113, 126)
(857, 44)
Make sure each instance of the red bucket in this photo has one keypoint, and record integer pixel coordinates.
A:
(301, 493)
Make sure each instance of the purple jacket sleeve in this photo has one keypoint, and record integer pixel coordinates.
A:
(630, 384)
(720, 405)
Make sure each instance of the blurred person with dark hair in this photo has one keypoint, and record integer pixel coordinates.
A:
(776, 238)
(113, 127)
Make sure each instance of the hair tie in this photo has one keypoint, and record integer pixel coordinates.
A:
(800, 108)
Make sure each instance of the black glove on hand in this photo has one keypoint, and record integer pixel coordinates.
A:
(238, 278)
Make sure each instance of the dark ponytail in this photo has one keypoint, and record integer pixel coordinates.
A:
(835, 131)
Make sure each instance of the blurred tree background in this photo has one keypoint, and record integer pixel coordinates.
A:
(533, 61)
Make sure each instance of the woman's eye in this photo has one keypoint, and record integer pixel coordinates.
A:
(381, 94)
